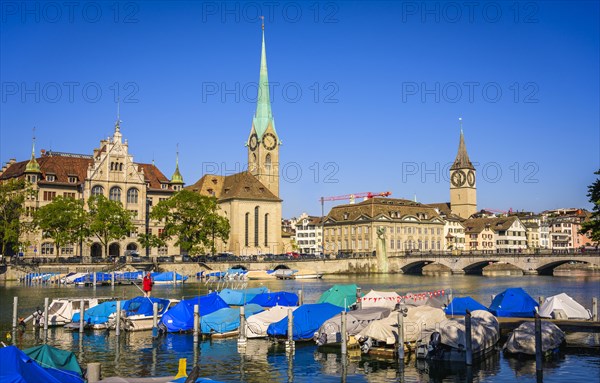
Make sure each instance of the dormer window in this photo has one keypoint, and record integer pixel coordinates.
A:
(210, 191)
(262, 190)
(164, 186)
(246, 188)
(50, 177)
(346, 216)
(214, 181)
(72, 179)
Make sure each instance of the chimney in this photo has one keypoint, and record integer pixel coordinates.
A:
(43, 152)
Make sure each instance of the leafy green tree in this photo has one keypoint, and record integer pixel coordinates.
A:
(63, 220)
(591, 228)
(193, 219)
(12, 198)
(108, 220)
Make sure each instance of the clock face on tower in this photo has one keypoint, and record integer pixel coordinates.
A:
(269, 141)
(471, 178)
(253, 141)
(458, 178)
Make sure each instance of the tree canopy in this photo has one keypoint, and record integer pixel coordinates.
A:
(12, 198)
(108, 220)
(193, 219)
(63, 220)
(591, 228)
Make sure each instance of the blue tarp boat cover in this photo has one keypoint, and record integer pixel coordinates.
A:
(307, 320)
(227, 319)
(241, 297)
(130, 275)
(458, 306)
(513, 302)
(280, 298)
(143, 306)
(100, 277)
(167, 277)
(17, 367)
(340, 295)
(98, 314)
(181, 317)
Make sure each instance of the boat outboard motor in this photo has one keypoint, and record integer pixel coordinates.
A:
(435, 342)
(366, 346)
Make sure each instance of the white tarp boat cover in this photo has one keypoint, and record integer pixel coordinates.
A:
(522, 339)
(423, 299)
(257, 324)
(374, 298)
(484, 332)
(569, 306)
(356, 320)
(417, 320)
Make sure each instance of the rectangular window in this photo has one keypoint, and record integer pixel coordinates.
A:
(163, 250)
(72, 179)
(134, 214)
(49, 196)
(50, 177)
(366, 244)
(366, 229)
(69, 195)
(392, 246)
(359, 230)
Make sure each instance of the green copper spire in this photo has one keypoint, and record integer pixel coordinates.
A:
(177, 178)
(263, 116)
(32, 165)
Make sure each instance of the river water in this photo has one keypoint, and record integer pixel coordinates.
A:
(139, 355)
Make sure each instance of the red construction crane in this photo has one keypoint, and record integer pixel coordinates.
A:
(351, 197)
(499, 211)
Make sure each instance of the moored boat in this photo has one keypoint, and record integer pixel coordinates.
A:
(522, 340)
(330, 331)
(138, 313)
(60, 311)
(448, 342)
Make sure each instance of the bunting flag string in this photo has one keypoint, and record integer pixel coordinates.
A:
(416, 297)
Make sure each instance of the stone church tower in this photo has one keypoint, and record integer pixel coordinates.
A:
(463, 191)
(263, 142)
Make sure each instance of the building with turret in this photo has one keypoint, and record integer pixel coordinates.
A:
(110, 171)
(463, 189)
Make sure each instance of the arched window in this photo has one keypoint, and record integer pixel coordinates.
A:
(266, 229)
(121, 167)
(115, 194)
(268, 163)
(246, 222)
(97, 190)
(132, 195)
(256, 226)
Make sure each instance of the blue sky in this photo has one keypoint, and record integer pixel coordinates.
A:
(367, 93)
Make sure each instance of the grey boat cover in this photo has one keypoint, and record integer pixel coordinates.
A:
(356, 320)
(417, 320)
(374, 298)
(257, 324)
(484, 331)
(522, 339)
(569, 306)
(439, 302)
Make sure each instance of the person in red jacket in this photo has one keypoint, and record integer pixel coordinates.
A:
(147, 285)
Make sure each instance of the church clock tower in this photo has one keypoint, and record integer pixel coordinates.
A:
(263, 142)
(463, 192)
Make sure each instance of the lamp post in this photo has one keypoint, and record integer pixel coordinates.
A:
(148, 205)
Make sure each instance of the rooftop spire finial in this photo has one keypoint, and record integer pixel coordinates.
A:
(33, 144)
(460, 123)
(118, 122)
(177, 177)
(263, 22)
(32, 165)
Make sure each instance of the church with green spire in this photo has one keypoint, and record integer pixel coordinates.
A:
(250, 199)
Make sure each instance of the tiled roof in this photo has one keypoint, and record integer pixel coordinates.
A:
(236, 186)
(476, 225)
(64, 165)
(387, 207)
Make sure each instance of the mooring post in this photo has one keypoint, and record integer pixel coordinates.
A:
(538, 343)
(118, 318)
(112, 280)
(93, 372)
(174, 278)
(155, 320)
(595, 309)
(541, 299)
(290, 341)
(46, 304)
(95, 279)
(300, 297)
(401, 336)
(358, 298)
(468, 337)
(15, 311)
(242, 335)
(196, 323)
(344, 337)
(81, 315)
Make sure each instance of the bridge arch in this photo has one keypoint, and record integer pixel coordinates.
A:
(416, 267)
(548, 268)
(477, 267)
(281, 267)
(240, 267)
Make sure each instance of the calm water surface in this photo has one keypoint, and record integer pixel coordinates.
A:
(138, 355)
